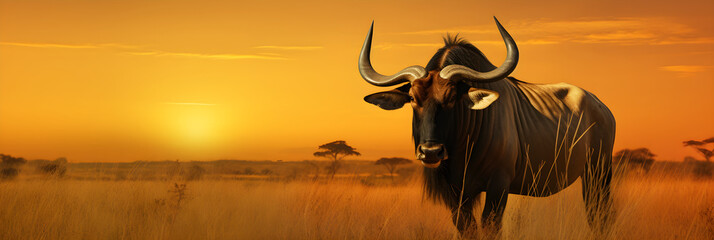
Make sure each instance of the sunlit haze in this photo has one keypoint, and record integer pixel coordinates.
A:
(272, 80)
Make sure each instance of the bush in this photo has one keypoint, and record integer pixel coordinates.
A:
(53, 169)
(195, 172)
(57, 167)
(406, 173)
(8, 173)
(120, 176)
(703, 169)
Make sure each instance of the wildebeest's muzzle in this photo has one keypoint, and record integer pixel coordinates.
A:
(431, 154)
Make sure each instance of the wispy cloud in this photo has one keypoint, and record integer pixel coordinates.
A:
(47, 45)
(685, 68)
(685, 71)
(386, 46)
(520, 43)
(390, 45)
(290, 47)
(694, 40)
(189, 104)
(623, 31)
(139, 51)
(461, 30)
(71, 46)
(269, 54)
(423, 45)
(207, 56)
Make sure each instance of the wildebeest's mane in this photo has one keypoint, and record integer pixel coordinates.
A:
(457, 50)
(452, 40)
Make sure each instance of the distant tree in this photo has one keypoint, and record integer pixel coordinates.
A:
(10, 161)
(248, 171)
(335, 151)
(641, 157)
(392, 163)
(9, 166)
(701, 147)
(58, 167)
(703, 169)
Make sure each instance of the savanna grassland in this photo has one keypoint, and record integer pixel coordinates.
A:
(243, 200)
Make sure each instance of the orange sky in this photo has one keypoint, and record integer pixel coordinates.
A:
(205, 80)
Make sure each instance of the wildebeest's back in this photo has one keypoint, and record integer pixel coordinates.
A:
(564, 126)
(553, 100)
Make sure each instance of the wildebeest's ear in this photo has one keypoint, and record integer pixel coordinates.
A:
(482, 98)
(390, 100)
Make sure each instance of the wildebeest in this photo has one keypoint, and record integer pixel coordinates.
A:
(476, 129)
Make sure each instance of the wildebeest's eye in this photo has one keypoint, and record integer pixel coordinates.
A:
(411, 98)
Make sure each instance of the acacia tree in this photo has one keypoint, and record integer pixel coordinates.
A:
(335, 151)
(701, 147)
(392, 163)
(702, 169)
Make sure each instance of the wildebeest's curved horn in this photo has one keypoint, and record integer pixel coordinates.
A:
(494, 75)
(371, 76)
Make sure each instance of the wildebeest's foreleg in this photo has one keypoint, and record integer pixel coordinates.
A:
(463, 216)
(496, 198)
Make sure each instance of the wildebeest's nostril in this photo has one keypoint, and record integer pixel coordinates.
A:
(433, 151)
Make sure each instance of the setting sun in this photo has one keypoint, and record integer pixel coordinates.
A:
(192, 124)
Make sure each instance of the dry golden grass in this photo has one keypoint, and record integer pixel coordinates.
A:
(653, 207)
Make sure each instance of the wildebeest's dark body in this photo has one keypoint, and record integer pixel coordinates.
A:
(509, 135)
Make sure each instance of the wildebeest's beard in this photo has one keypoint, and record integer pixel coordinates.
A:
(430, 128)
